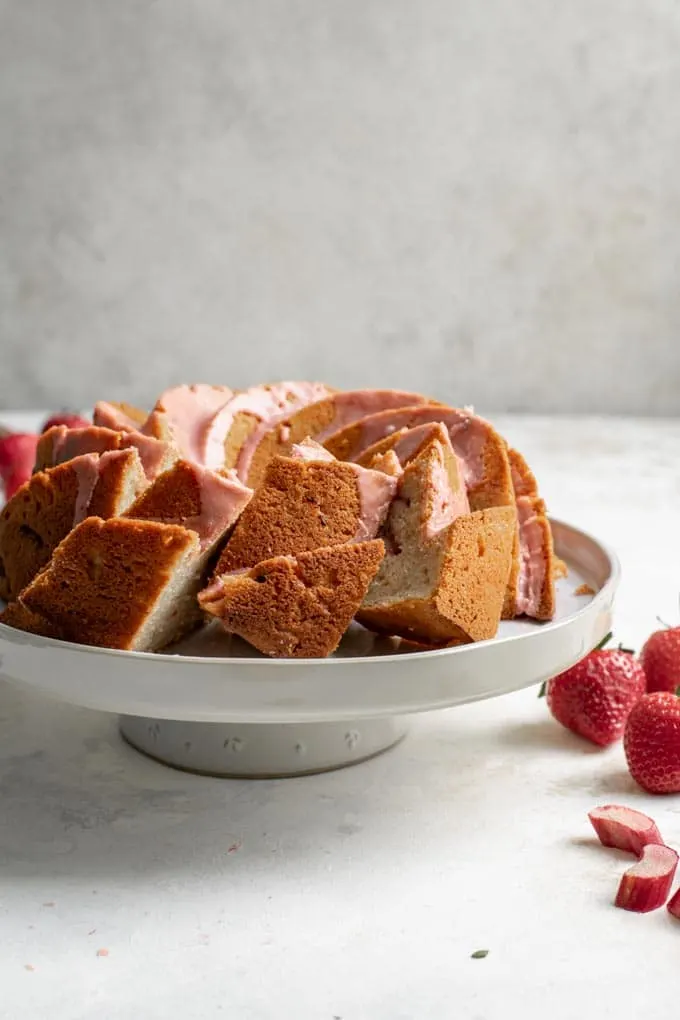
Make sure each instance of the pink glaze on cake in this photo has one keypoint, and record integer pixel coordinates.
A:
(376, 492)
(86, 470)
(468, 435)
(271, 405)
(222, 503)
(191, 412)
(69, 443)
(355, 404)
(532, 558)
(448, 503)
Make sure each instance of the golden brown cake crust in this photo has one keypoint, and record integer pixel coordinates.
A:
(313, 421)
(33, 523)
(296, 607)
(121, 479)
(105, 577)
(302, 505)
(43, 511)
(19, 617)
(523, 478)
(174, 496)
(467, 600)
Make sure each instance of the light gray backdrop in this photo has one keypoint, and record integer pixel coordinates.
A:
(479, 198)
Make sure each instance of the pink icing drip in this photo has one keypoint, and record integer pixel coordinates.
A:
(222, 502)
(532, 563)
(271, 405)
(448, 504)
(86, 469)
(191, 413)
(376, 492)
(310, 451)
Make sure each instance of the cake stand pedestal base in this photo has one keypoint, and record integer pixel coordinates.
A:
(261, 750)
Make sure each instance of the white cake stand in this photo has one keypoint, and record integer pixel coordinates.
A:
(215, 706)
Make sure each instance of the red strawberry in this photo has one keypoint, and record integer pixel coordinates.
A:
(660, 658)
(652, 742)
(67, 418)
(646, 885)
(17, 457)
(594, 697)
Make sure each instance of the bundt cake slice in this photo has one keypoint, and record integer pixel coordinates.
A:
(534, 580)
(304, 505)
(60, 444)
(445, 571)
(120, 584)
(196, 498)
(321, 419)
(52, 502)
(295, 606)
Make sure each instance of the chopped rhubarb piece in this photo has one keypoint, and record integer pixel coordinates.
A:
(624, 828)
(646, 885)
(673, 905)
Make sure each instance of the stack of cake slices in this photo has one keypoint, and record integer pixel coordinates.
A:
(285, 512)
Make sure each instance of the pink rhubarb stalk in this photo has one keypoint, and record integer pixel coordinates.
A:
(646, 885)
(624, 828)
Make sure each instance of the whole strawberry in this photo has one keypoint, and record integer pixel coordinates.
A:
(17, 457)
(651, 742)
(660, 659)
(67, 418)
(594, 697)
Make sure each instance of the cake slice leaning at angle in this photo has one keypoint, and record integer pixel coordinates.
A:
(307, 504)
(319, 420)
(295, 606)
(445, 570)
(196, 498)
(52, 502)
(120, 584)
(60, 444)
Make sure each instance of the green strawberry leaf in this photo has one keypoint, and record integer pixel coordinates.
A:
(479, 954)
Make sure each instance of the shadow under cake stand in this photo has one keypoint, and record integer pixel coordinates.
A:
(212, 705)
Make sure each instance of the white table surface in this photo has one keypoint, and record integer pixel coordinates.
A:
(358, 894)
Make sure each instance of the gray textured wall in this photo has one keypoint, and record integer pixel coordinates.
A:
(480, 198)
